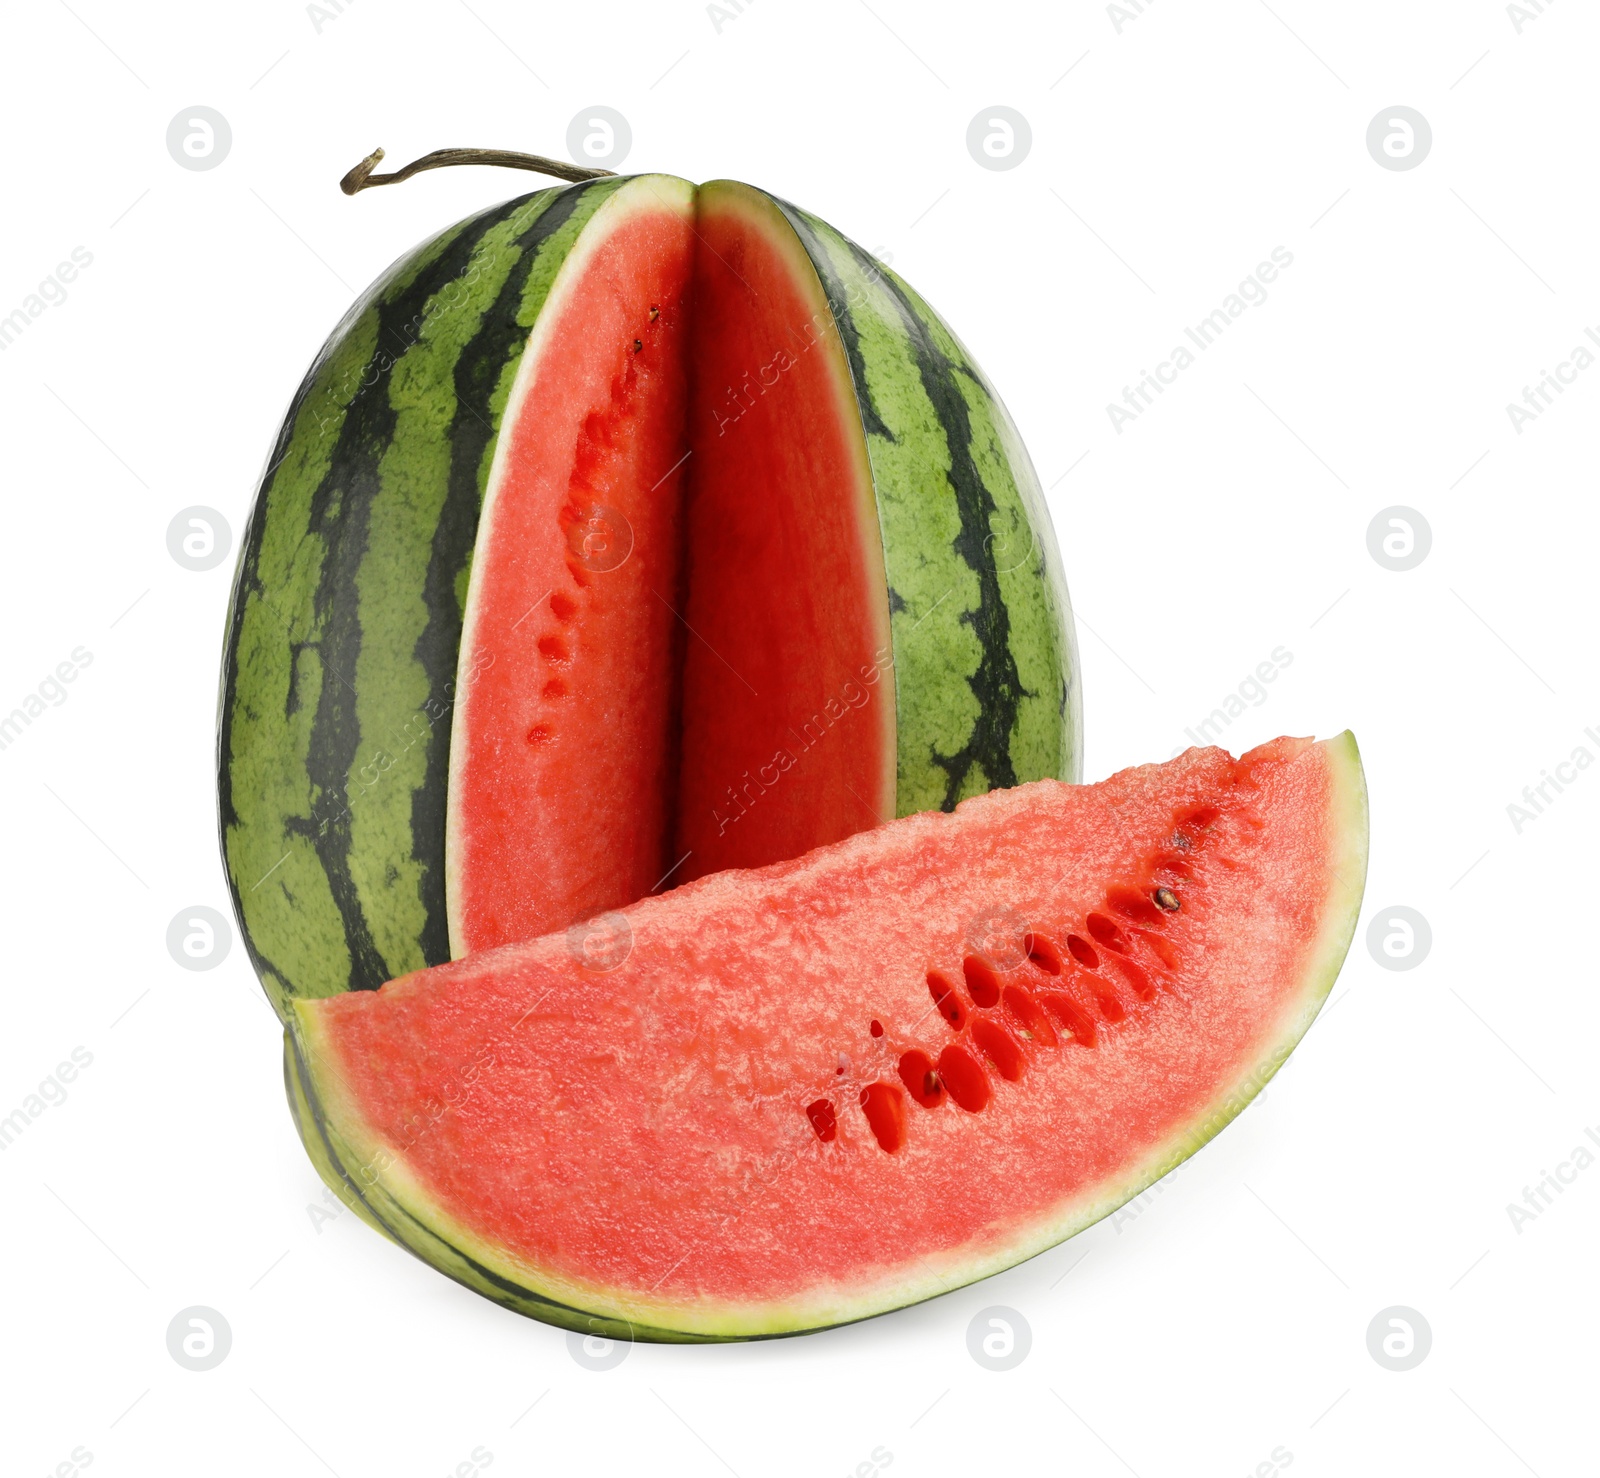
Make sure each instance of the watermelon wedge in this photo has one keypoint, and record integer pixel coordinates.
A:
(837, 1085)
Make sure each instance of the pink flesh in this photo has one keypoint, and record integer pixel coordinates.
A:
(646, 1130)
(563, 797)
(590, 763)
(788, 696)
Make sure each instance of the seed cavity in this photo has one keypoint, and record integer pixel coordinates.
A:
(1106, 998)
(1106, 933)
(1083, 952)
(1000, 1047)
(885, 1108)
(961, 1073)
(1075, 1006)
(922, 1082)
(1158, 946)
(1072, 1016)
(947, 1000)
(983, 985)
(1044, 952)
(1137, 979)
(823, 1120)
(1029, 1016)
(1132, 904)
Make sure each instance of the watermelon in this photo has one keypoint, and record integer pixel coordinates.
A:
(621, 533)
(840, 1084)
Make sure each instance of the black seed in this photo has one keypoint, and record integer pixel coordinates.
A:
(655, 313)
(1166, 899)
(638, 344)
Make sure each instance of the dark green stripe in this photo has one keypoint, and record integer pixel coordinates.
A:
(995, 684)
(335, 382)
(340, 511)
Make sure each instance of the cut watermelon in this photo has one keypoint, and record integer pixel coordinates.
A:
(841, 1084)
(619, 534)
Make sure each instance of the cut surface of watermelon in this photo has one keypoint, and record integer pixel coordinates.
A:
(788, 693)
(697, 397)
(566, 680)
(844, 1083)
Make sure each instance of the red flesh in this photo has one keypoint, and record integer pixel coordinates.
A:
(788, 693)
(757, 559)
(560, 805)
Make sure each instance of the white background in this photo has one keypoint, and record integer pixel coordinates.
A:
(1226, 1319)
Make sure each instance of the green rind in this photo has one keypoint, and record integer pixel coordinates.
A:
(345, 621)
(409, 1225)
(316, 1145)
(986, 668)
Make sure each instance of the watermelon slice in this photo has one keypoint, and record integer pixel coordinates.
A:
(844, 1083)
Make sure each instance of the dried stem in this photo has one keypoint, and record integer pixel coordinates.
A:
(362, 177)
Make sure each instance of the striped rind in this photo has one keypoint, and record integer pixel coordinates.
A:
(340, 664)
(986, 667)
